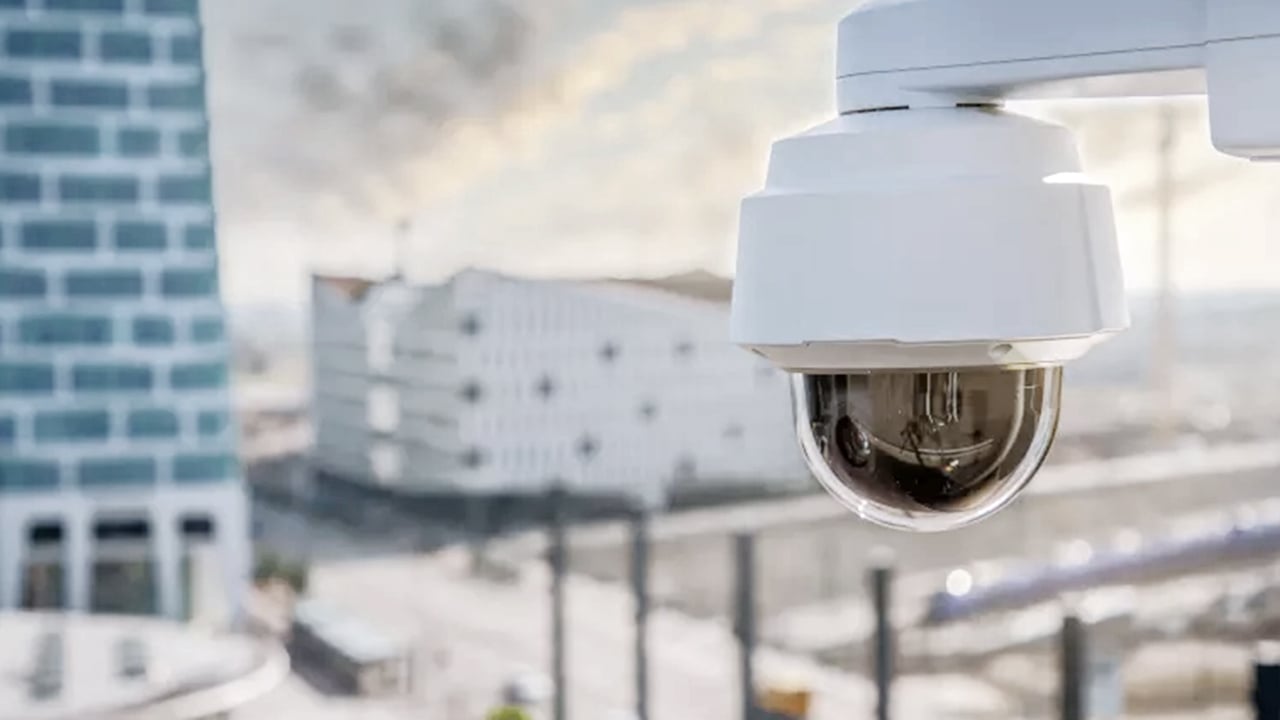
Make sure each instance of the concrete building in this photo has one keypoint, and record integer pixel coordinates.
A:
(495, 385)
(117, 449)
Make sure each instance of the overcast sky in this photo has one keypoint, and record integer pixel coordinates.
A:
(587, 137)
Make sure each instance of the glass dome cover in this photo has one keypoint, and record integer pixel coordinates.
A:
(927, 450)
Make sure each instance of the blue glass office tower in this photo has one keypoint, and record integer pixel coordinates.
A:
(117, 447)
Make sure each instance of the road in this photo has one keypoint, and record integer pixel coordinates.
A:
(472, 635)
(490, 632)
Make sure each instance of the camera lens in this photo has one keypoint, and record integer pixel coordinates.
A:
(927, 450)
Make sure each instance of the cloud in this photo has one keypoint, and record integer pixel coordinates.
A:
(319, 98)
(391, 110)
(554, 137)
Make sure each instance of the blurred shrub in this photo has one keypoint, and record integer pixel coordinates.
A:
(270, 566)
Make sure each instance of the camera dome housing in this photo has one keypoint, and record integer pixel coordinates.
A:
(898, 261)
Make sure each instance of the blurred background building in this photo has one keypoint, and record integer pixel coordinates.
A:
(117, 448)
(497, 386)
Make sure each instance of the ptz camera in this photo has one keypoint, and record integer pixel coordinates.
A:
(926, 263)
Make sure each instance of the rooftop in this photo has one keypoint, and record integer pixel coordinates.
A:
(695, 284)
(354, 288)
(58, 666)
(698, 284)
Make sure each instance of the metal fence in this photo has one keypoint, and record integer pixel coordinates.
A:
(1168, 625)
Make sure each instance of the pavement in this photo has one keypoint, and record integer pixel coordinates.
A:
(471, 636)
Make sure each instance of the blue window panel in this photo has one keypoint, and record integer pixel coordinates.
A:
(44, 44)
(38, 138)
(188, 96)
(26, 379)
(59, 235)
(15, 90)
(109, 472)
(60, 329)
(100, 6)
(19, 475)
(130, 235)
(209, 329)
(194, 143)
(126, 47)
(152, 423)
(212, 422)
(203, 468)
(189, 283)
(19, 187)
(138, 142)
(72, 426)
(104, 283)
(198, 376)
(22, 283)
(198, 237)
(111, 378)
(99, 188)
(185, 49)
(8, 431)
(153, 330)
(13, 4)
(86, 93)
(171, 7)
(184, 189)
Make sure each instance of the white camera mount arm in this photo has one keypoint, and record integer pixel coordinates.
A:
(942, 53)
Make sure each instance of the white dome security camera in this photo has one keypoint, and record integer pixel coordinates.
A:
(926, 275)
(926, 263)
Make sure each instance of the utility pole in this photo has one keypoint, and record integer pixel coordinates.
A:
(558, 559)
(745, 618)
(477, 512)
(640, 588)
(881, 577)
(1073, 654)
(1165, 349)
(400, 248)
(1266, 683)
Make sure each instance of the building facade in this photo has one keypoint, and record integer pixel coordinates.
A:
(495, 385)
(117, 446)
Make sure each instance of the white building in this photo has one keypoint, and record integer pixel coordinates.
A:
(494, 385)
